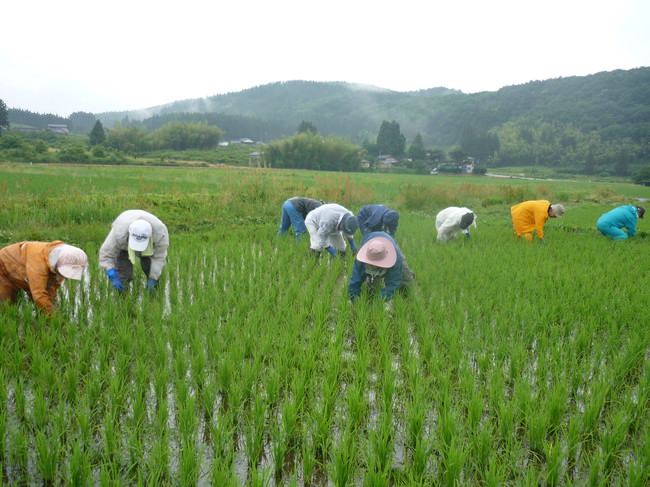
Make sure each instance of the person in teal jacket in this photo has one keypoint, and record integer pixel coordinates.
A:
(611, 224)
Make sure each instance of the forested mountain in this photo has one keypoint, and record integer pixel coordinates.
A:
(276, 109)
(615, 104)
(596, 123)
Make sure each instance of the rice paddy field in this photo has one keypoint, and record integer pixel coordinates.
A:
(506, 364)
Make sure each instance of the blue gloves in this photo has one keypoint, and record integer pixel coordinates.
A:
(151, 285)
(467, 235)
(353, 245)
(331, 251)
(119, 286)
(115, 280)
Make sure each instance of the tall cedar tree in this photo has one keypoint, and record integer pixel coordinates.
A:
(97, 134)
(4, 120)
(390, 139)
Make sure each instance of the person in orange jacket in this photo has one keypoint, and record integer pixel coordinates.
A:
(531, 216)
(39, 269)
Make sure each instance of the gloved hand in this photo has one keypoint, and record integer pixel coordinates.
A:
(151, 285)
(115, 280)
(331, 251)
(467, 235)
(353, 245)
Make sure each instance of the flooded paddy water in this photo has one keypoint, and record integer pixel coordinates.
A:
(505, 364)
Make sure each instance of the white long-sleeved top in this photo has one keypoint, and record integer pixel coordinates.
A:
(118, 240)
(326, 219)
(448, 222)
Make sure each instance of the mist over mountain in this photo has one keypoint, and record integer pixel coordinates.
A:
(615, 104)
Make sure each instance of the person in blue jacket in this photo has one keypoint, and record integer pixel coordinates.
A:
(379, 258)
(611, 224)
(378, 218)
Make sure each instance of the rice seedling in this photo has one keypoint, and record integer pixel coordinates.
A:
(40, 410)
(379, 451)
(593, 407)
(20, 400)
(612, 438)
(454, 462)
(157, 468)
(79, 470)
(3, 438)
(279, 448)
(111, 439)
(19, 454)
(290, 414)
(259, 477)
(255, 431)
(189, 464)
(554, 455)
(420, 456)
(308, 455)
(48, 452)
(343, 458)
(357, 405)
(136, 453)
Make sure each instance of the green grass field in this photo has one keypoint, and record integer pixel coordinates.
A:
(507, 363)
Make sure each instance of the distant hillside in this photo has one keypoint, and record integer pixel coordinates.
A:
(596, 124)
(615, 104)
(344, 109)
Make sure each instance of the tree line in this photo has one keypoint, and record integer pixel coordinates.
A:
(597, 124)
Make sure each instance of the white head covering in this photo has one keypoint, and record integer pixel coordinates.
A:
(70, 261)
(557, 210)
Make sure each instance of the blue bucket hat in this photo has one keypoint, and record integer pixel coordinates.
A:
(391, 218)
(349, 224)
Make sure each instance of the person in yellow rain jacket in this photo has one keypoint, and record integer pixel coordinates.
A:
(39, 268)
(531, 216)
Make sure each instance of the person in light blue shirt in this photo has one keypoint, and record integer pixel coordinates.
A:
(612, 223)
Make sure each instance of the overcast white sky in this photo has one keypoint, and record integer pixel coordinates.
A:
(75, 55)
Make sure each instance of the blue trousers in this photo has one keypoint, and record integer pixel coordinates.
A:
(292, 218)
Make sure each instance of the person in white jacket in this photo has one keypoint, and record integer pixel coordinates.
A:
(329, 226)
(453, 220)
(136, 235)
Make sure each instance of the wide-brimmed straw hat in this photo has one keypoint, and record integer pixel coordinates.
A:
(378, 251)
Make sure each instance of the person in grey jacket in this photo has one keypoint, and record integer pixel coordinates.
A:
(329, 226)
(294, 212)
(136, 235)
